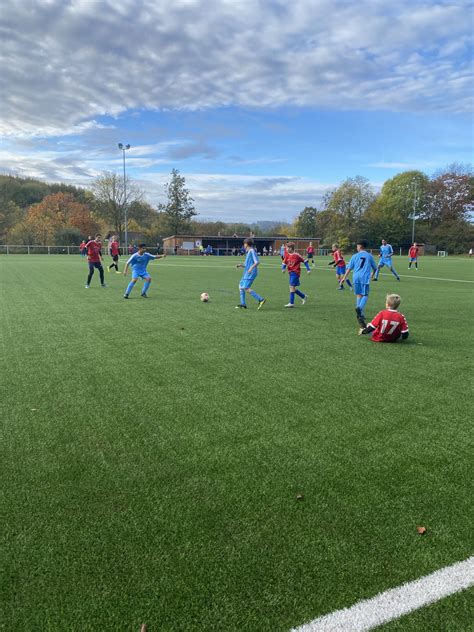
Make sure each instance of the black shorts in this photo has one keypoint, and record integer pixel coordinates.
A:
(95, 264)
(310, 255)
(115, 258)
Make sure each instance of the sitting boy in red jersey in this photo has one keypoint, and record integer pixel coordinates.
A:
(389, 324)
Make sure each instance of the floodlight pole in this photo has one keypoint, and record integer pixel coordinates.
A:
(413, 215)
(124, 149)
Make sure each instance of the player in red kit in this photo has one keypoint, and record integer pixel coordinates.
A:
(94, 257)
(293, 260)
(413, 254)
(389, 325)
(340, 265)
(310, 253)
(114, 250)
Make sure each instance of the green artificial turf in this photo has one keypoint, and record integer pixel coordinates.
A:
(152, 450)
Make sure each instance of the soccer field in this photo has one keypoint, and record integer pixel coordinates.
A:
(152, 450)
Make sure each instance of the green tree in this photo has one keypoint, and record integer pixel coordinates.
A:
(179, 209)
(344, 209)
(10, 214)
(306, 222)
(390, 215)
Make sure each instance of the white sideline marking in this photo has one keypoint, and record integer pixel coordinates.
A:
(396, 602)
(266, 265)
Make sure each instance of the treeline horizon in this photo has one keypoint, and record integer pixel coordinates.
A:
(38, 213)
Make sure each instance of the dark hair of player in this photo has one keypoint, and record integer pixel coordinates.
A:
(291, 244)
(362, 242)
(142, 245)
(248, 241)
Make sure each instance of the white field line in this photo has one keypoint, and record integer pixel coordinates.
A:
(405, 276)
(394, 603)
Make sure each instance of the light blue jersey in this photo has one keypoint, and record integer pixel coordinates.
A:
(386, 251)
(250, 259)
(362, 263)
(138, 263)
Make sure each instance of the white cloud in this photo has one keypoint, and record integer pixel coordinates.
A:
(242, 197)
(67, 62)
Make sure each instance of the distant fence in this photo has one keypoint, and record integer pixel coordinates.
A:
(12, 249)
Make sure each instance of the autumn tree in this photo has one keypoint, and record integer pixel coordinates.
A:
(179, 208)
(110, 197)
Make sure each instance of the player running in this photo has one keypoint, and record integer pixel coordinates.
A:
(250, 274)
(310, 253)
(386, 252)
(138, 262)
(340, 266)
(293, 261)
(94, 258)
(114, 251)
(413, 254)
(362, 263)
(389, 324)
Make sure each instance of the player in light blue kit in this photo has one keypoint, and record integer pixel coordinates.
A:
(386, 252)
(363, 264)
(250, 274)
(138, 262)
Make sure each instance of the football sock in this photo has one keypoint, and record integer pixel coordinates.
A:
(90, 277)
(146, 285)
(394, 273)
(242, 297)
(256, 296)
(129, 287)
(101, 272)
(292, 298)
(376, 275)
(300, 294)
(348, 283)
(362, 301)
(416, 266)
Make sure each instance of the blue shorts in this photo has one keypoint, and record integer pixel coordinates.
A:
(136, 274)
(340, 270)
(413, 259)
(361, 288)
(245, 284)
(385, 262)
(294, 279)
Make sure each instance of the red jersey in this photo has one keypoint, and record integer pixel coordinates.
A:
(413, 252)
(389, 326)
(310, 250)
(114, 248)
(293, 262)
(93, 251)
(338, 258)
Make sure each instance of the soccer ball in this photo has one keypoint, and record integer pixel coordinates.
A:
(204, 297)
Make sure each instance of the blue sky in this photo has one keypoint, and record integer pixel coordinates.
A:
(263, 106)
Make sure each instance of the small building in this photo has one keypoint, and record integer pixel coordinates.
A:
(230, 244)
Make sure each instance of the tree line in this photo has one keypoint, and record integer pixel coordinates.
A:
(34, 212)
